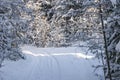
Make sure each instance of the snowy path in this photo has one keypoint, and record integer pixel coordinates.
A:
(50, 64)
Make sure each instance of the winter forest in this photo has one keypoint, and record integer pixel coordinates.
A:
(39, 38)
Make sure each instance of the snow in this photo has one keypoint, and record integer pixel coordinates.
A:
(113, 2)
(51, 64)
(118, 47)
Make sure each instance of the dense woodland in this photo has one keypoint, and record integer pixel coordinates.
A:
(62, 23)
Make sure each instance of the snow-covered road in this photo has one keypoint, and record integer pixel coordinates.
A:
(50, 64)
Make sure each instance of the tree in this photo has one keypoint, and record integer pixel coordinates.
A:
(61, 22)
(12, 29)
(113, 38)
(39, 29)
(110, 22)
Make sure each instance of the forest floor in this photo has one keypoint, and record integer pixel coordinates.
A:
(52, 64)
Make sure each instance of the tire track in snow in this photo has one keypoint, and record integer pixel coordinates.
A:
(33, 68)
(57, 62)
(58, 65)
(30, 68)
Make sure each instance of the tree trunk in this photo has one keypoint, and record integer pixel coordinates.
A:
(105, 43)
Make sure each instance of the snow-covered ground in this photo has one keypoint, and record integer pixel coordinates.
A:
(51, 64)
